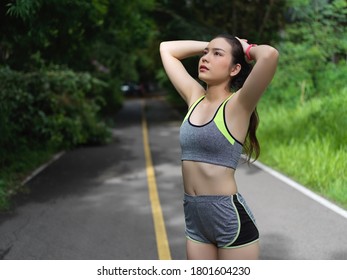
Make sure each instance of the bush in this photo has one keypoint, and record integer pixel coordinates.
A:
(111, 93)
(332, 79)
(52, 107)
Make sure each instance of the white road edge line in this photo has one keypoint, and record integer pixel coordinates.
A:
(302, 189)
(42, 167)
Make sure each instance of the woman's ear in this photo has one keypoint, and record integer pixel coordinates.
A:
(235, 69)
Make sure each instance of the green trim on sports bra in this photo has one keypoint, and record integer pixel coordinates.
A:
(192, 108)
(220, 123)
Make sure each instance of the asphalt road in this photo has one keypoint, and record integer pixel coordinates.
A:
(93, 202)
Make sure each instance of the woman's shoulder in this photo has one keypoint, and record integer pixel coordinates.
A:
(195, 96)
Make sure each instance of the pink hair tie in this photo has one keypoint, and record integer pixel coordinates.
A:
(248, 50)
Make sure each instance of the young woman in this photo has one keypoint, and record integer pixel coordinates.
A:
(220, 123)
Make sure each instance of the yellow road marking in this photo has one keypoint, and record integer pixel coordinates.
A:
(159, 225)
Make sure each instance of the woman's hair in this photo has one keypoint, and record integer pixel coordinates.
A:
(251, 146)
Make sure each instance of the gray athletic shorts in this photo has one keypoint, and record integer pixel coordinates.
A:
(225, 221)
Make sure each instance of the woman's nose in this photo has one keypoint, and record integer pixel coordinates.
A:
(204, 58)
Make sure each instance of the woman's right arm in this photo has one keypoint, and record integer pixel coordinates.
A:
(172, 52)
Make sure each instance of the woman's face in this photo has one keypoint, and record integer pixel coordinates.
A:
(215, 63)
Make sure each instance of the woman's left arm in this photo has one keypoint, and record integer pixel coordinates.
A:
(266, 58)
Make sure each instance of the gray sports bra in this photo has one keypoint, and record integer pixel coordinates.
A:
(211, 142)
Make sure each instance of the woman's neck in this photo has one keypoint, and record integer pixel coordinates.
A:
(217, 93)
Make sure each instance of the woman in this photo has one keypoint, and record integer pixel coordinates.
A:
(221, 118)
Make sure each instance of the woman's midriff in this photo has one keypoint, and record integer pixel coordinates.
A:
(201, 178)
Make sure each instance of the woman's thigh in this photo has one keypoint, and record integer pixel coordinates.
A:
(201, 251)
(248, 252)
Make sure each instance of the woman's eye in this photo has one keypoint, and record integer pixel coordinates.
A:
(218, 53)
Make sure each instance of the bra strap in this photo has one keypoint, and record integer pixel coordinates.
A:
(191, 108)
(220, 122)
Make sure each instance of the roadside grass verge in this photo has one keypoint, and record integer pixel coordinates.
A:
(23, 162)
(307, 142)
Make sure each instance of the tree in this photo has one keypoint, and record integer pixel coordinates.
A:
(75, 33)
(314, 37)
(255, 19)
(321, 25)
(58, 32)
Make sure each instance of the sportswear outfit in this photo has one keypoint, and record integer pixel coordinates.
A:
(225, 221)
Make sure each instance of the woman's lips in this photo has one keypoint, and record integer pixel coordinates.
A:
(203, 68)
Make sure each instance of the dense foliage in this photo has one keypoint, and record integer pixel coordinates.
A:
(313, 49)
(49, 106)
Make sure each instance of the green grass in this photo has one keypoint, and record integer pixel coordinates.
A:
(307, 142)
(22, 163)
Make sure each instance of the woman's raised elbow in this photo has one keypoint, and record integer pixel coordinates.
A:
(272, 53)
(163, 46)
